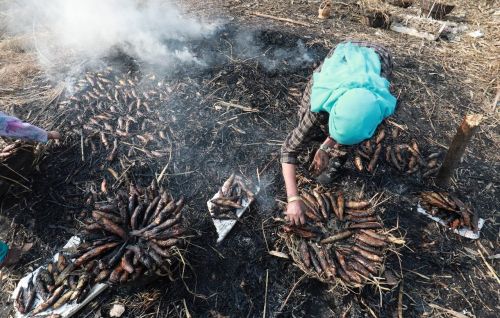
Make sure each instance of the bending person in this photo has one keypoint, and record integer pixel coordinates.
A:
(345, 100)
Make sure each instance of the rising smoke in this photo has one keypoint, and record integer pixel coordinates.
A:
(272, 58)
(70, 36)
(91, 29)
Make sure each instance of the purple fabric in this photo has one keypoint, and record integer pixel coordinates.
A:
(14, 128)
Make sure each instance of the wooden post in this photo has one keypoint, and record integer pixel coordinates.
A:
(457, 148)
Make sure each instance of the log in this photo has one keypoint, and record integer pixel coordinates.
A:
(263, 15)
(457, 148)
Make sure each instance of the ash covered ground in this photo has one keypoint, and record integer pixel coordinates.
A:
(259, 68)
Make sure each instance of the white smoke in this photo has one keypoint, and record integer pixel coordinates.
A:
(272, 58)
(88, 30)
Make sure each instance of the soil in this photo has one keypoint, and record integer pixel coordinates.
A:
(239, 278)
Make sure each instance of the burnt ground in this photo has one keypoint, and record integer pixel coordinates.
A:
(209, 142)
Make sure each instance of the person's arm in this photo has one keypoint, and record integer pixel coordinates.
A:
(289, 176)
(13, 127)
(296, 141)
(295, 207)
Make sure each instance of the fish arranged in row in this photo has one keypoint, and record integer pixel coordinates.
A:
(321, 206)
(455, 213)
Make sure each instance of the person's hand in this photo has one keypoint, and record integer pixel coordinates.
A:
(53, 135)
(320, 162)
(295, 212)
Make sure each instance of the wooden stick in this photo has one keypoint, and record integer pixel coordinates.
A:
(243, 108)
(291, 291)
(264, 312)
(453, 313)
(82, 148)
(457, 148)
(495, 101)
(400, 301)
(262, 15)
(490, 268)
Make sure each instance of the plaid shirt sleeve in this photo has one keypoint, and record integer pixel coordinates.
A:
(310, 123)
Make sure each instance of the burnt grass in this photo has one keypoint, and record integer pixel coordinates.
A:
(208, 143)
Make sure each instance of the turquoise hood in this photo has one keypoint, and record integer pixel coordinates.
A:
(350, 88)
(4, 250)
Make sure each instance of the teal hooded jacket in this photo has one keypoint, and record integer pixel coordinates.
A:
(4, 250)
(350, 88)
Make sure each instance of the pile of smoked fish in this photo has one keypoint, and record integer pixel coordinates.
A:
(450, 209)
(231, 196)
(130, 235)
(406, 158)
(119, 111)
(341, 239)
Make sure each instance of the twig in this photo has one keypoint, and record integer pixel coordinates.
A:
(495, 101)
(265, 295)
(243, 108)
(400, 301)
(81, 145)
(119, 180)
(291, 291)
(418, 274)
(158, 308)
(16, 182)
(449, 311)
(368, 307)
(268, 164)
(344, 314)
(188, 315)
(160, 177)
(491, 269)
(264, 234)
(262, 15)
(14, 172)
